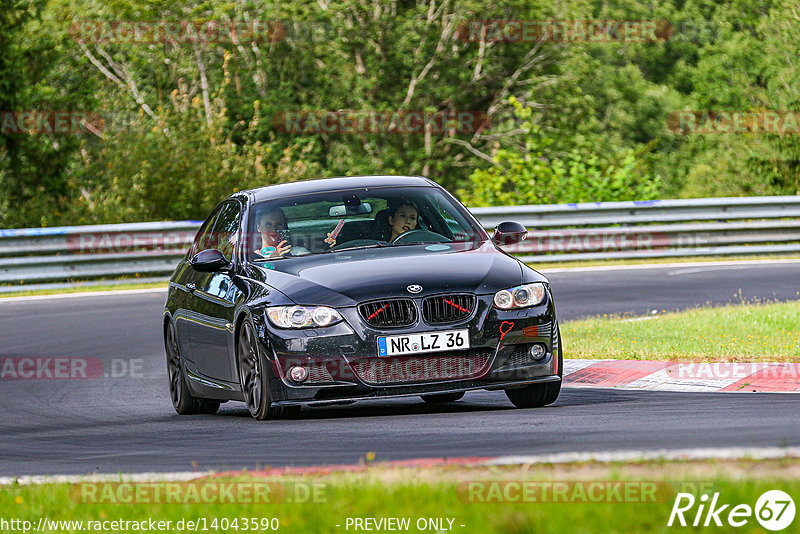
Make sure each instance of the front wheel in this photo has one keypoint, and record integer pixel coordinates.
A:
(537, 395)
(182, 400)
(254, 379)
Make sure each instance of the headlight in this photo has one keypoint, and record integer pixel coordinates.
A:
(302, 316)
(520, 296)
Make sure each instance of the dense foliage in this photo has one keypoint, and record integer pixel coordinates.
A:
(188, 122)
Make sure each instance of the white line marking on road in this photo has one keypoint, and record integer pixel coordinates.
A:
(664, 380)
(728, 453)
(697, 265)
(695, 270)
(180, 476)
(85, 294)
(573, 365)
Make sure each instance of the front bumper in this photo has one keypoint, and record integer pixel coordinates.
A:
(343, 364)
(413, 391)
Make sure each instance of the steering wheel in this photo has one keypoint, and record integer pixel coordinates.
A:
(420, 235)
(355, 243)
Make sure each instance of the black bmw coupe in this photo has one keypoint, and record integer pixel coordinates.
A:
(336, 290)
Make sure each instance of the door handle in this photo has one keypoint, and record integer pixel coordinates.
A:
(191, 287)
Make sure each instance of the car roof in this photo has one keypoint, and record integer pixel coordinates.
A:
(322, 185)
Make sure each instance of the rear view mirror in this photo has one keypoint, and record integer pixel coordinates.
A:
(341, 211)
(209, 261)
(509, 233)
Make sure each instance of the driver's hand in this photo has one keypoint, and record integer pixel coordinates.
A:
(330, 240)
(281, 249)
(400, 235)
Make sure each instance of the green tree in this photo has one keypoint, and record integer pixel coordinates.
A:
(37, 181)
(536, 176)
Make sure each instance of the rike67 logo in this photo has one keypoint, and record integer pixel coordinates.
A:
(774, 510)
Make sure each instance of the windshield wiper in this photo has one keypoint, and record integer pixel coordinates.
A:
(372, 245)
(417, 243)
(275, 258)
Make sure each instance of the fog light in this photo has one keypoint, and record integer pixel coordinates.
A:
(298, 374)
(537, 351)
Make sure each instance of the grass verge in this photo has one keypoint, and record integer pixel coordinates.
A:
(734, 333)
(587, 497)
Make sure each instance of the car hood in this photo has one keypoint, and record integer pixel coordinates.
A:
(349, 277)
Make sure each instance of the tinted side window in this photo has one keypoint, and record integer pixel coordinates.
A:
(456, 227)
(204, 235)
(226, 229)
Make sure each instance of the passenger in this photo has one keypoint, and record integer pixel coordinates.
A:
(403, 217)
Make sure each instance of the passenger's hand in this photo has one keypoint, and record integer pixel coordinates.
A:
(281, 249)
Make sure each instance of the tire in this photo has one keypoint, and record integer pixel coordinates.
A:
(254, 379)
(443, 397)
(537, 395)
(182, 400)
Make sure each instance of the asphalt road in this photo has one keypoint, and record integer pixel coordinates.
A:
(641, 290)
(127, 424)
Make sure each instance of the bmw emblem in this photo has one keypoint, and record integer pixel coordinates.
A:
(414, 288)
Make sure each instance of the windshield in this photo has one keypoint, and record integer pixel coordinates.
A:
(356, 218)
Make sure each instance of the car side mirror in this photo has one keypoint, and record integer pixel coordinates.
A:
(209, 261)
(509, 233)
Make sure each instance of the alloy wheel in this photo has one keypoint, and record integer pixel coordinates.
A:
(250, 369)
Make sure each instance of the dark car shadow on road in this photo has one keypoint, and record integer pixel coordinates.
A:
(572, 396)
(487, 402)
(380, 409)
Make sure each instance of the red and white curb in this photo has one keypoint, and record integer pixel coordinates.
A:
(683, 376)
(699, 454)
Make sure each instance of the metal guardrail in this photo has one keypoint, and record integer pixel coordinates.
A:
(33, 255)
(558, 232)
(653, 228)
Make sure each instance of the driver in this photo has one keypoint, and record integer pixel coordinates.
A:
(403, 218)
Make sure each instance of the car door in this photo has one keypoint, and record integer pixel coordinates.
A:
(213, 300)
(184, 284)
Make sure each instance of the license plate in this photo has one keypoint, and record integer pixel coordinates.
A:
(423, 342)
